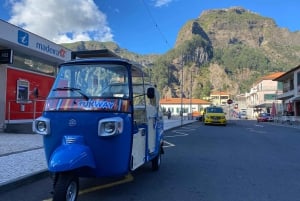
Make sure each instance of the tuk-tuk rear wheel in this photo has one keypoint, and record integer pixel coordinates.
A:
(156, 162)
(66, 187)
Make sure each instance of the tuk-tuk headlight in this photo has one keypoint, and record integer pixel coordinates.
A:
(110, 126)
(41, 126)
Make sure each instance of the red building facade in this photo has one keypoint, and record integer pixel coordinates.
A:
(28, 65)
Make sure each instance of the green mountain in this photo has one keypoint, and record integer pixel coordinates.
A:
(221, 50)
(146, 60)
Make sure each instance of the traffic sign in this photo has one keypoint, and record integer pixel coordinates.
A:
(229, 101)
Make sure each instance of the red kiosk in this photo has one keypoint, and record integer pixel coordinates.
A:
(27, 69)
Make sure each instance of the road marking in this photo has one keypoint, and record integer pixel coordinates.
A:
(179, 134)
(168, 144)
(256, 131)
(128, 178)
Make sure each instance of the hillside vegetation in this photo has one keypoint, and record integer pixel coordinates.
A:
(221, 50)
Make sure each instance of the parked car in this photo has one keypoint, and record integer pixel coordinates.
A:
(197, 115)
(264, 117)
(271, 118)
(214, 115)
(243, 115)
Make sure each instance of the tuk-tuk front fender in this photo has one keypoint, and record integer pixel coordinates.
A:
(70, 157)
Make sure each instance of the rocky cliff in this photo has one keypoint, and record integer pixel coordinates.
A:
(222, 49)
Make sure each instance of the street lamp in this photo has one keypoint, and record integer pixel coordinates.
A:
(181, 92)
(150, 73)
(191, 95)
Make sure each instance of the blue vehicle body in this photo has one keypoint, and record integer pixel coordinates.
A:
(97, 122)
(80, 146)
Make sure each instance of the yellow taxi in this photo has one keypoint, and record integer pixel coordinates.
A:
(214, 115)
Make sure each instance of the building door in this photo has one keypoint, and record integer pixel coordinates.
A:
(2, 96)
(297, 108)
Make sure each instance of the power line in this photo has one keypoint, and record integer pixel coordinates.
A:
(155, 24)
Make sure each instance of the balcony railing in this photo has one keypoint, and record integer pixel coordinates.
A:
(285, 94)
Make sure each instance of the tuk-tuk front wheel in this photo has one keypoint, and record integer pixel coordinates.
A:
(66, 187)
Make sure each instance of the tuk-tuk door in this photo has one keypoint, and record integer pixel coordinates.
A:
(152, 109)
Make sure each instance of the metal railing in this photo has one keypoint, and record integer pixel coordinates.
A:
(292, 120)
(24, 110)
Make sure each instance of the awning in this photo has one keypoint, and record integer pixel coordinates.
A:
(264, 105)
(296, 98)
(292, 99)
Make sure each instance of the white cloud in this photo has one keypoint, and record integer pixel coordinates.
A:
(160, 3)
(62, 21)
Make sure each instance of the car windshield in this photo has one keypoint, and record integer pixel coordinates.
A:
(264, 115)
(91, 81)
(214, 110)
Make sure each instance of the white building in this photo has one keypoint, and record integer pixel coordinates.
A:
(290, 95)
(188, 106)
(263, 94)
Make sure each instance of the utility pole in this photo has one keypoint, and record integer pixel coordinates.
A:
(191, 95)
(150, 73)
(181, 110)
(220, 97)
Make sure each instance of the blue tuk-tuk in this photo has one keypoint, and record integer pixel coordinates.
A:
(101, 119)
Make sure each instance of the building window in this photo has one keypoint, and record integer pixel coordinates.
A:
(298, 79)
(292, 84)
(269, 97)
(22, 91)
(33, 63)
(279, 86)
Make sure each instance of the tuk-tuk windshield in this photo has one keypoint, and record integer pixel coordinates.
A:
(91, 81)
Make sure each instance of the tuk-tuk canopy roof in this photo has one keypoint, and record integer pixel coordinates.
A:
(105, 55)
(136, 69)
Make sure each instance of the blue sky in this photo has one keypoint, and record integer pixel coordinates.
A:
(140, 26)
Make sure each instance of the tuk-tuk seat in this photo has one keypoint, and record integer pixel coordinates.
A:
(116, 90)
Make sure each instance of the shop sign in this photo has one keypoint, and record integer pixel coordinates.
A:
(6, 56)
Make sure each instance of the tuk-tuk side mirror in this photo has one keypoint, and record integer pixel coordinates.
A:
(151, 92)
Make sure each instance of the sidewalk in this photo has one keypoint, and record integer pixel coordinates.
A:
(22, 156)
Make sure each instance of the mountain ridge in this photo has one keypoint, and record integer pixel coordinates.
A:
(221, 50)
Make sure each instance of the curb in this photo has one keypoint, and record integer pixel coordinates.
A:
(168, 129)
(7, 186)
(286, 125)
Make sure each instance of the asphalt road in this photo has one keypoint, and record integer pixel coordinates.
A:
(243, 161)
